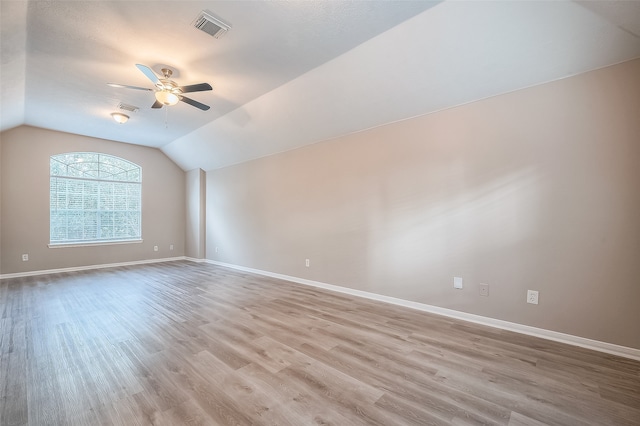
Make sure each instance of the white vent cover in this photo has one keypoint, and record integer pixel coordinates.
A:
(127, 107)
(210, 25)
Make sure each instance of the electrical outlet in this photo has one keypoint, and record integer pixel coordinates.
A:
(457, 282)
(532, 297)
(216, 249)
(170, 246)
(155, 248)
(25, 257)
(484, 290)
(306, 263)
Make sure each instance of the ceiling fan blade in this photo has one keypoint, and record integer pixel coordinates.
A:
(128, 87)
(195, 88)
(194, 103)
(157, 104)
(149, 73)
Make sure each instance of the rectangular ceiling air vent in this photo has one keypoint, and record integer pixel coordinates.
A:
(127, 107)
(211, 25)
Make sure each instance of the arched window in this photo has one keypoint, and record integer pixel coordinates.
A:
(94, 198)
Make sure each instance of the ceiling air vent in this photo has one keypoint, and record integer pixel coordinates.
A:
(210, 25)
(126, 107)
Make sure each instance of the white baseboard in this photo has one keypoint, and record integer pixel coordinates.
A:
(193, 259)
(596, 345)
(88, 267)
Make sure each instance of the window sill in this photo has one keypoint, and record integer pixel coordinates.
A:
(89, 243)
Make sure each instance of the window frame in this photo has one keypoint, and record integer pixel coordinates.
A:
(98, 172)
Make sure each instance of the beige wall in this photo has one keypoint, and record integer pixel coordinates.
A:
(536, 189)
(25, 202)
(0, 203)
(195, 227)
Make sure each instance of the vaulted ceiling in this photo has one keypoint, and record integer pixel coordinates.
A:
(288, 73)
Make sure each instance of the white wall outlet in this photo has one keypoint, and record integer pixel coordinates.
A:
(170, 246)
(532, 297)
(457, 282)
(216, 249)
(155, 248)
(484, 290)
(306, 263)
(25, 257)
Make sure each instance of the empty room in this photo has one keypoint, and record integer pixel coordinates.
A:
(319, 212)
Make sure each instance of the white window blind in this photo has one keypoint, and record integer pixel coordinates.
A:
(94, 198)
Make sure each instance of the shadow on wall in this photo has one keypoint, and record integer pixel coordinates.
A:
(452, 226)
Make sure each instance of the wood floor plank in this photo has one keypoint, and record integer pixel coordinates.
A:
(153, 378)
(182, 343)
(187, 413)
(423, 391)
(13, 382)
(405, 412)
(518, 419)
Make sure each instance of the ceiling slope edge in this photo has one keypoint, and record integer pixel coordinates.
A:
(451, 54)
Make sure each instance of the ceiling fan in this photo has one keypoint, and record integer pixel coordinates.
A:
(167, 92)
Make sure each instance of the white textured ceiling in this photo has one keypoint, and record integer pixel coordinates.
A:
(288, 73)
(60, 55)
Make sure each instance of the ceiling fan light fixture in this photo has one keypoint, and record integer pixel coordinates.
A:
(119, 117)
(166, 97)
(166, 91)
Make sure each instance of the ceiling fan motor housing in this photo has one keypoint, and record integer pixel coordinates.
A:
(168, 92)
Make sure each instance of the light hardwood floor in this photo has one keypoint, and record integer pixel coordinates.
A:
(185, 343)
